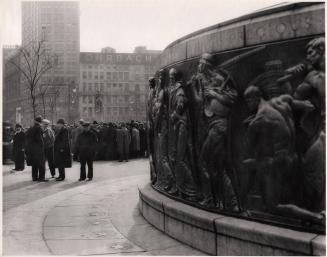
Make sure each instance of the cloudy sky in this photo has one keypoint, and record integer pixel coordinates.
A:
(124, 24)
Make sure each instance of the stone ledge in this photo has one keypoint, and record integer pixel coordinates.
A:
(223, 235)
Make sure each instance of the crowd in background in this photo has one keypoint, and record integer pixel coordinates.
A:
(82, 141)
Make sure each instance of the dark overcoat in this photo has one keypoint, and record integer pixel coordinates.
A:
(35, 155)
(19, 147)
(62, 153)
(86, 145)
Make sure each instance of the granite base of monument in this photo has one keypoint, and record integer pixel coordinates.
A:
(217, 234)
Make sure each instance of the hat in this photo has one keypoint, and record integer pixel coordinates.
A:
(18, 125)
(61, 121)
(45, 121)
(38, 119)
(85, 124)
(81, 121)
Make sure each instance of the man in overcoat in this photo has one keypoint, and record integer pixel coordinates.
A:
(48, 139)
(86, 145)
(62, 152)
(19, 148)
(35, 151)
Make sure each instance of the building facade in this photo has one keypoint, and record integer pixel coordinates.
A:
(56, 24)
(113, 86)
(12, 87)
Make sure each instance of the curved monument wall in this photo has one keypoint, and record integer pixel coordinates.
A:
(236, 119)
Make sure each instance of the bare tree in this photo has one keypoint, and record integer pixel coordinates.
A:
(35, 61)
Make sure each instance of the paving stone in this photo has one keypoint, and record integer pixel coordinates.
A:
(92, 247)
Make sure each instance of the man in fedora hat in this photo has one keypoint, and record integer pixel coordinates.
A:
(49, 138)
(62, 153)
(35, 151)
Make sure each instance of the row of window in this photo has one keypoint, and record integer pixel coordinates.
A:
(89, 111)
(100, 86)
(115, 99)
(109, 75)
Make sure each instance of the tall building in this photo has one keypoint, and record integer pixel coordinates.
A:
(11, 85)
(57, 25)
(114, 86)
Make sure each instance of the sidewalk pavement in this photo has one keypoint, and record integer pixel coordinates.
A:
(94, 219)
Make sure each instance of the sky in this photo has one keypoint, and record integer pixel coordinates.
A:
(124, 24)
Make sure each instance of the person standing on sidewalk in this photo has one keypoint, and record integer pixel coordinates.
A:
(86, 145)
(19, 148)
(123, 142)
(62, 153)
(48, 139)
(35, 151)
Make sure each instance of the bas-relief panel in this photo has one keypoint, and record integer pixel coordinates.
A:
(243, 132)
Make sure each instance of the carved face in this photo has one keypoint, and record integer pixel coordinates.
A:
(252, 102)
(161, 78)
(315, 56)
(172, 75)
(202, 67)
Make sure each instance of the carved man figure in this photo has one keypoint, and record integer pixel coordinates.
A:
(271, 134)
(165, 179)
(212, 95)
(150, 127)
(313, 124)
(180, 141)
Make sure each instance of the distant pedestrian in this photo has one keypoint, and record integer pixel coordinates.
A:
(135, 133)
(48, 139)
(75, 132)
(86, 145)
(123, 142)
(19, 148)
(62, 153)
(35, 151)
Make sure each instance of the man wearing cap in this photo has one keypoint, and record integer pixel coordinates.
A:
(62, 153)
(48, 139)
(19, 148)
(35, 151)
(85, 149)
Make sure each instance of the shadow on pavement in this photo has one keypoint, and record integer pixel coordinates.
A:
(18, 185)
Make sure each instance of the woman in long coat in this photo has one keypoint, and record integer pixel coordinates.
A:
(62, 152)
(19, 148)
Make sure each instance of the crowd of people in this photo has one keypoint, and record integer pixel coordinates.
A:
(60, 144)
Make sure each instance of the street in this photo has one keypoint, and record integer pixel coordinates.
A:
(82, 218)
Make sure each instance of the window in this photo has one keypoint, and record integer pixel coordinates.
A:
(84, 75)
(101, 87)
(90, 111)
(108, 75)
(90, 66)
(90, 87)
(137, 88)
(90, 99)
(101, 75)
(126, 86)
(84, 87)
(96, 86)
(96, 75)
(114, 85)
(90, 74)
(114, 75)
(84, 99)
(126, 76)
(121, 77)
(120, 85)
